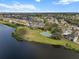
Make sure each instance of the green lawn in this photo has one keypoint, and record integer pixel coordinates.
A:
(8, 24)
(35, 36)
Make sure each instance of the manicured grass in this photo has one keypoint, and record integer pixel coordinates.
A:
(35, 36)
(8, 24)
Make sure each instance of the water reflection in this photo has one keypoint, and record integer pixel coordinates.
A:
(12, 49)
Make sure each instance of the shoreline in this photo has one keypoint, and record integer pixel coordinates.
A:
(65, 43)
(45, 40)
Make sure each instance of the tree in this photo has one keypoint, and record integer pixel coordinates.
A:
(21, 31)
(56, 32)
(48, 25)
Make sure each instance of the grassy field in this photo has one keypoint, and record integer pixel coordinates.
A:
(8, 24)
(35, 36)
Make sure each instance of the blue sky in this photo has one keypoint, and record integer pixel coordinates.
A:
(39, 5)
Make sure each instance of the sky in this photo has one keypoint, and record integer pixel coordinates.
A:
(39, 5)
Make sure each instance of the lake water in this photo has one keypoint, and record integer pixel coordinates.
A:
(10, 48)
(48, 34)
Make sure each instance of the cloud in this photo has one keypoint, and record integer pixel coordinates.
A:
(18, 7)
(37, 0)
(67, 1)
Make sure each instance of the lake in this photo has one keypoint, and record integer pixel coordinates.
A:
(10, 48)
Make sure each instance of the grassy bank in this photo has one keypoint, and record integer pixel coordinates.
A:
(25, 33)
(8, 24)
(11, 24)
(28, 34)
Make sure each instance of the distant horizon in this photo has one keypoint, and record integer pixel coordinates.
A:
(39, 12)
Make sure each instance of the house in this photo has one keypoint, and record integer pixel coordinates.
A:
(52, 20)
(69, 37)
(76, 36)
(67, 31)
(36, 22)
(73, 37)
